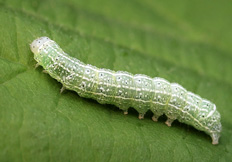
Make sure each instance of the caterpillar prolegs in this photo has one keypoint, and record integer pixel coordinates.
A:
(126, 90)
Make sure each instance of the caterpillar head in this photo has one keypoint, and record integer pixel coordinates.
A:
(39, 48)
(36, 44)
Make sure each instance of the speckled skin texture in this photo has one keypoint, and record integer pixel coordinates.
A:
(126, 90)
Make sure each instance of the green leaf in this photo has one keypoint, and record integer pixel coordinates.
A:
(188, 42)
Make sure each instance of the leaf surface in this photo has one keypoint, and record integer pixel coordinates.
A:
(182, 41)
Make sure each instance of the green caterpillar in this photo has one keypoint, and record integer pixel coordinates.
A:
(126, 90)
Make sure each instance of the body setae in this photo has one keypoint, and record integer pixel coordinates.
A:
(126, 90)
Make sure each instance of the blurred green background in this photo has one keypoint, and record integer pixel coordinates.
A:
(188, 42)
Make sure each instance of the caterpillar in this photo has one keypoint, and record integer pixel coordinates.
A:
(125, 90)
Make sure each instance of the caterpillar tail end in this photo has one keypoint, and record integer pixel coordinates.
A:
(215, 138)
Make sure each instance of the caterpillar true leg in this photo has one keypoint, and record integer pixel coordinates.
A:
(45, 71)
(62, 89)
(37, 65)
